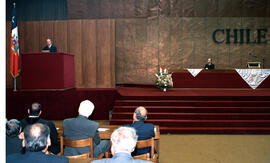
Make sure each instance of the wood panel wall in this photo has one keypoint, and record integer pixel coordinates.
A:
(91, 41)
(183, 42)
(100, 9)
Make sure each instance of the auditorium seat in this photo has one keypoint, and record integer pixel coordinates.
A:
(77, 144)
(82, 156)
(148, 143)
(145, 156)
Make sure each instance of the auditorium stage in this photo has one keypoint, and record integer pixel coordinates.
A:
(179, 110)
(150, 91)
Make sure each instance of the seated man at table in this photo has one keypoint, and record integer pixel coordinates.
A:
(34, 113)
(143, 130)
(209, 65)
(124, 141)
(81, 128)
(49, 47)
(36, 141)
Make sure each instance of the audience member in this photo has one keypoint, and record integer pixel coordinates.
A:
(34, 113)
(13, 142)
(143, 130)
(36, 141)
(81, 128)
(50, 47)
(209, 65)
(124, 141)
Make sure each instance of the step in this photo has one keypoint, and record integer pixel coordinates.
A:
(196, 116)
(196, 109)
(215, 130)
(199, 123)
(189, 103)
(199, 97)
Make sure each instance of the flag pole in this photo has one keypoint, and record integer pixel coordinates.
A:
(14, 90)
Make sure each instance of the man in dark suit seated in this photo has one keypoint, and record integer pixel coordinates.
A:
(36, 141)
(143, 130)
(81, 128)
(209, 65)
(34, 113)
(13, 141)
(124, 141)
(50, 47)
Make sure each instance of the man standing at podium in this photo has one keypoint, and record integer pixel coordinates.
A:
(50, 47)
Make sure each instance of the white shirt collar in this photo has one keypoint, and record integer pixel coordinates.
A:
(123, 152)
(33, 116)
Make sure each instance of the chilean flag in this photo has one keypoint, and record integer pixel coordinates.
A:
(14, 46)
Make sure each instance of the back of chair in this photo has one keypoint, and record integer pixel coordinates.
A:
(145, 156)
(83, 156)
(77, 144)
(146, 143)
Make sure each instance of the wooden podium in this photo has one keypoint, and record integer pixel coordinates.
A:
(47, 71)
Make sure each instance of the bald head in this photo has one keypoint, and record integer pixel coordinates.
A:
(36, 137)
(140, 114)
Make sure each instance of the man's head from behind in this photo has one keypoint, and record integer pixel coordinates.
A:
(140, 114)
(35, 109)
(36, 137)
(123, 139)
(13, 128)
(86, 108)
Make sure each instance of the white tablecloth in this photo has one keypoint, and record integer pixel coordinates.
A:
(194, 72)
(253, 77)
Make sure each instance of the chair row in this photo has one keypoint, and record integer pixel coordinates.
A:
(88, 142)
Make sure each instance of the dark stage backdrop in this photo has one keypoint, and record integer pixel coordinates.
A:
(36, 10)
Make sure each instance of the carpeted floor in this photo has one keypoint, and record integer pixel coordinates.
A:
(215, 148)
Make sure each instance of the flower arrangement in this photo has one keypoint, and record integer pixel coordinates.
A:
(164, 79)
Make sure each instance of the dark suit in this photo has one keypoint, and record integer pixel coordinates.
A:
(33, 157)
(55, 147)
(209, 66)
(13, 145)
(120, 157)
(51, 49)
(81, 128)
(144, 131)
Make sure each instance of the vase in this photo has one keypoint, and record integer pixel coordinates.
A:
(164, 89)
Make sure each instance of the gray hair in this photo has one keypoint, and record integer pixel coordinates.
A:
(124, 139)
(86, 108)
(36, 137)
(139, 115)
(13, 127)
